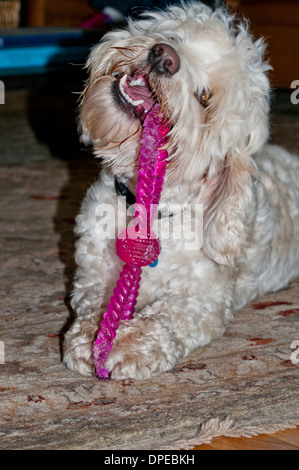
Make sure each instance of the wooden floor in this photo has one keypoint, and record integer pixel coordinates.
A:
(283, 440)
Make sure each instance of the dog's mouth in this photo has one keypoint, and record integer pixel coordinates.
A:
(133, 93)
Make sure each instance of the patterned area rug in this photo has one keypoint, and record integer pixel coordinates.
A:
(242, 385)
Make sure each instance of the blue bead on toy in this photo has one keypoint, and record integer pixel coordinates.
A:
(154, 264)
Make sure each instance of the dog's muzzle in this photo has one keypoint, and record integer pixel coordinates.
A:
(133, 91)
(164, 59)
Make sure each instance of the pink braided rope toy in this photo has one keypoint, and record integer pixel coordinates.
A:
(137, 246)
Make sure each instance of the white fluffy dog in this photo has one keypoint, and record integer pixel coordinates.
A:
(209, 77)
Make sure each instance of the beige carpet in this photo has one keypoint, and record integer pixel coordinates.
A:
(241, 385)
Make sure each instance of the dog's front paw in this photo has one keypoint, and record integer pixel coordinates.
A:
(141, 350)
(79, 358)
(78, 354)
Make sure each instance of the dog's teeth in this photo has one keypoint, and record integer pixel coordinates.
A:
(125, 95)
(138, 82)
(137, 102)
(123, 79)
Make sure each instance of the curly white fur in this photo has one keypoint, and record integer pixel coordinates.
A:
(218, 158)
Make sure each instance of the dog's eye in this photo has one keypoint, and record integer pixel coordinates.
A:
(175, 39)
(204, 98)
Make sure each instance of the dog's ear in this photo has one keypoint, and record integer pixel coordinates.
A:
(90, 106)
(229, 194)
(94, 101)
(243, 131)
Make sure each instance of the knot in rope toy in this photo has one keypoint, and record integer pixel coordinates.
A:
(137, 246)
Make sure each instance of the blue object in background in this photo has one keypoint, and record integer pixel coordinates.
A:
(40, 56)
(27, 50)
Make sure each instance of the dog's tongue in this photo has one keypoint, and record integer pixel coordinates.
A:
(137, 88)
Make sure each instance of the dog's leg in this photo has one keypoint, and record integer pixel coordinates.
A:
(78, 342)
(92, 289)
(97, 272)
(163, 333)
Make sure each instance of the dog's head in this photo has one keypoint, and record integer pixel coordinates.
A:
(210, 80)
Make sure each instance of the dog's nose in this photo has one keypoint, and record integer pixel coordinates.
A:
(164, 59)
